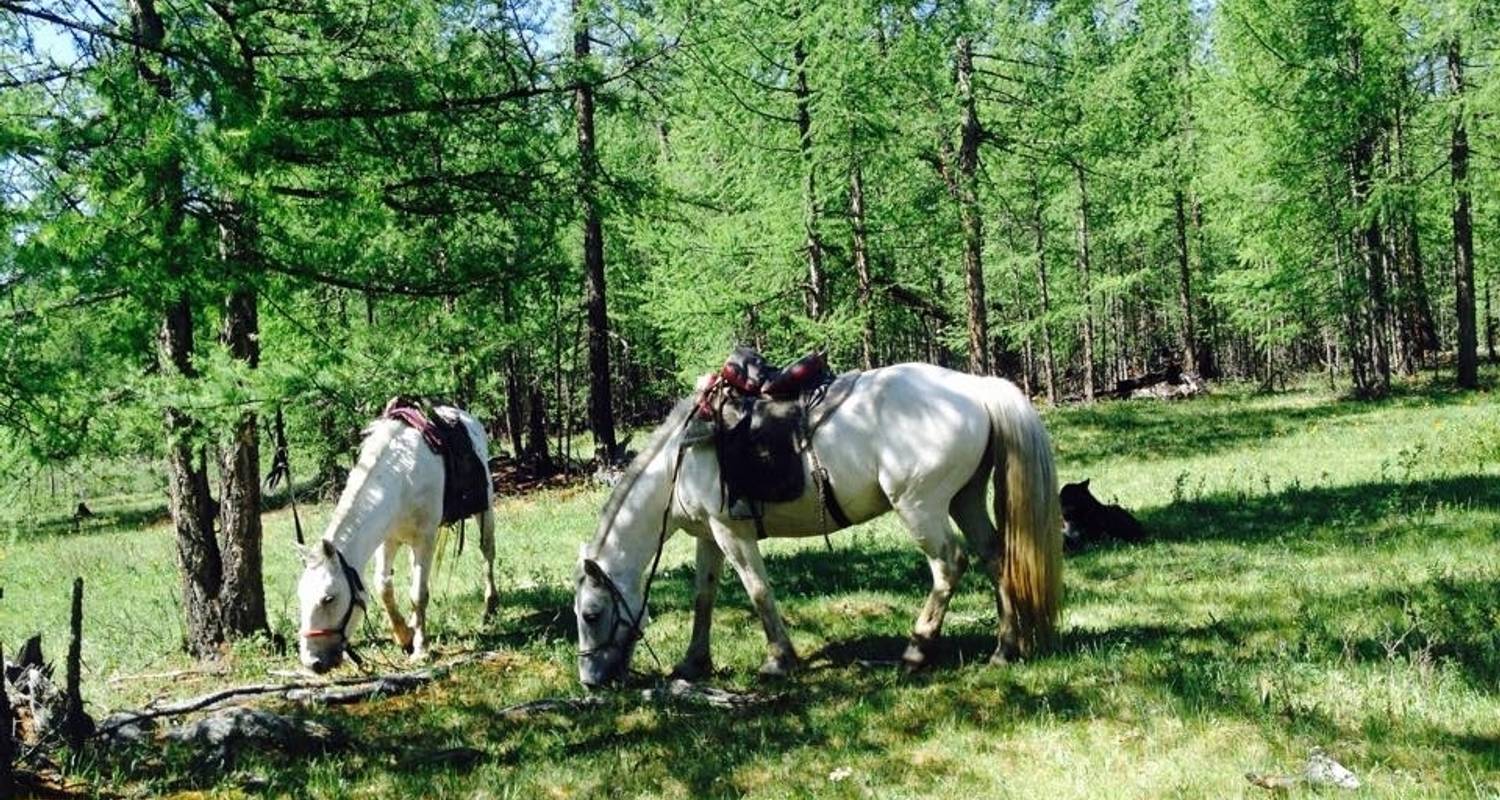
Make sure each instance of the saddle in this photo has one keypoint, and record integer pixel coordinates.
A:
(761, 420)
(466, 479)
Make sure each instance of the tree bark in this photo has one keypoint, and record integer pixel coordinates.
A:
(969, 212)
(1188, 342)
(537, 448)
(190, 503)
(1039, 230)
(515, 405)
(862, 266)
(1083, 272)
(816, 282)
(1463, 228)
(601, 410)
(1489, 322)
(1208, 337)
(242, 597)
(1419, 331)
(1370, 250)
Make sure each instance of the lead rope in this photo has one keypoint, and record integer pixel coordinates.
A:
(661, 542)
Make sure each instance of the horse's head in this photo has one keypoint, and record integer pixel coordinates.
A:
(610, 622)
(331, 600)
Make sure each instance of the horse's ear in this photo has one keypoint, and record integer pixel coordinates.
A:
(327, 549)
(1085, 483)
(303, 552)
(592, 569)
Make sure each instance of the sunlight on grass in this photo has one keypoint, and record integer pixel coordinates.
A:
(1321, 573)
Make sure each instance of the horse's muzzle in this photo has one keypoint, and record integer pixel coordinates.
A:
(600, 670)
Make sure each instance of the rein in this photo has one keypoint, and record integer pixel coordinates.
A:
(634, 631)
(356, 599)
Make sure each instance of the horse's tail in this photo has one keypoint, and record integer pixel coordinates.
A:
(1027, 509)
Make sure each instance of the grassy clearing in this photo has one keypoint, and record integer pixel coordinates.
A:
(1324, 573)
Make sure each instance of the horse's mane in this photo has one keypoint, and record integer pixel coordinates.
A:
(632, 474)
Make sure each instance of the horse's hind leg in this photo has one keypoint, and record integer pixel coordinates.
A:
(384, 556)
(699, 662)
(487, 548)
(421, 574)
(946, 558)
(973, 518)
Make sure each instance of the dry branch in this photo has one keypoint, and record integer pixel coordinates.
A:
(348, 690)
(707, 695)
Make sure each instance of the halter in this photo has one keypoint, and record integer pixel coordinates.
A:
(356, 599)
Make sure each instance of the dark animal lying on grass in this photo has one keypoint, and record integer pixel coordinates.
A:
(1088, 521)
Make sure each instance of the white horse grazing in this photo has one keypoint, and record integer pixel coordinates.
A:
(394, 497)
(920, 439)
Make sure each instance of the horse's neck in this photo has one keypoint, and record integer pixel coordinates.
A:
(630, 543)
(367, 508)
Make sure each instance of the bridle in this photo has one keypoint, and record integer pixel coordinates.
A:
(356, 600)
(634, 631)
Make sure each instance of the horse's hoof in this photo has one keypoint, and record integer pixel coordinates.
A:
(778, 667)
(693, 669)
(1005, 655)
(491, 605)
(916, 656)
(418, 656)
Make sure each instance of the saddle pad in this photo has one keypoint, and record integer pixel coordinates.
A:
(466, 481)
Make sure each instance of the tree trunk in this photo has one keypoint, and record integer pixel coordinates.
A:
(1188, 342)
(536, 429)
(969, 212)
(601, 410)
(1463, 229)
(515, 405)
(816, 288)
(190, 503)
(1039, 230)
(242, 597)
(1489, 322)
(1370, 250)
(862, 266)
(1083, 271)
(1208, 337)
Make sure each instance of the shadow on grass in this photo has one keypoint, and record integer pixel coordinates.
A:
(1325, 511)
(1150, 429)
(849, 703)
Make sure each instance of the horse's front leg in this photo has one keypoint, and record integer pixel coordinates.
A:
(740, 547)
(421, 572)
(699, 662)
(384, 555)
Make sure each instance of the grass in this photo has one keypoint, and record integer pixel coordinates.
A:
(1323, 573)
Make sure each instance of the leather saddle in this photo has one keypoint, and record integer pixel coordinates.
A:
(761, 420)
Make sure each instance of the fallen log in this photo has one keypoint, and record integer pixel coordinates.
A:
(335, 692)
(707, 695)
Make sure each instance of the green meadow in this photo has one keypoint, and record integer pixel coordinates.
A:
(1322, 573)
